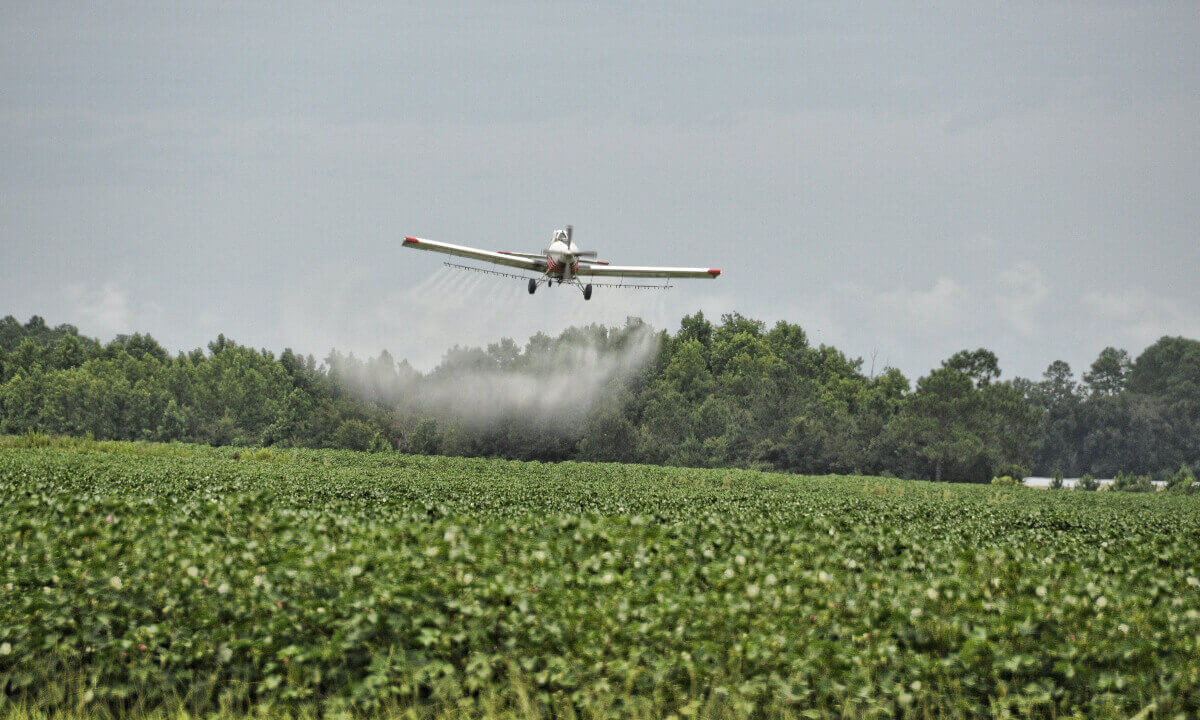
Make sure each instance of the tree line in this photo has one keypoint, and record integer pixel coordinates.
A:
(733, 393)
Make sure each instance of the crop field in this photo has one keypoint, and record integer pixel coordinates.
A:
(174, 580)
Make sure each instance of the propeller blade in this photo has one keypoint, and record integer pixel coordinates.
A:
(586, 253)
(570, 233)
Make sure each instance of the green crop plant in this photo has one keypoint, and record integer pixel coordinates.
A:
(178, 580)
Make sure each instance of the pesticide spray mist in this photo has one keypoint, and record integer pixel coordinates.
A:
(550, 383)
(552, 380)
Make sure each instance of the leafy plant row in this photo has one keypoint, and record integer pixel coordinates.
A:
(222, 578)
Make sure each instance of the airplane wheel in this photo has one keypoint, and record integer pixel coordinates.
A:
(587, 291)
(532, 285)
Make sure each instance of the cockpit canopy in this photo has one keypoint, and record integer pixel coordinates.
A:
(560, 235)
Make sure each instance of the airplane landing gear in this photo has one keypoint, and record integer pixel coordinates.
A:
(587, 291)
(532, 286)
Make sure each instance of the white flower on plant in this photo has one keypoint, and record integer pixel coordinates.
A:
(222, 588)
(1193, 581)
(1101, 602)
(931, 593)
(116, 583)
(5, 648)
(193, 571)
(1041, 591)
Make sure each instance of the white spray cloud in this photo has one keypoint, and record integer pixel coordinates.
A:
(441, 323)
(562, 382)
(550, 380)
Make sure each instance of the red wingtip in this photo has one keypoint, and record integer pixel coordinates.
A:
(411, 241)
(714, 273)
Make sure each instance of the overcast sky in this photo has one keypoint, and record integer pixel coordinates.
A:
(903, 184)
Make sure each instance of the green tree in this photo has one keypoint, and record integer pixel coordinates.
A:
(425, 438)
(68, 352)
(1183, 481)
(695, 327)
(934, 426)
(355, 435)
(1132, 483)
(1170, 368)
(293, 422)
(174, 423)
(687, 372)
(1059, 433)
(960, 424)
(981, 365)
(1108, 373)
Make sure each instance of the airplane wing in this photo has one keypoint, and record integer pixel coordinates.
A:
(597, 270)
(523, 261)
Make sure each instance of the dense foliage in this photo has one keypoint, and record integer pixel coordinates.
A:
(133, 575)
(1140, 416)
(728, 394)
(58, 381)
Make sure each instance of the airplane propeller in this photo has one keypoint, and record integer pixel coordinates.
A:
(582, 253)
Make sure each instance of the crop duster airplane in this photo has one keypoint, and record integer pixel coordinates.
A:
(563, 263)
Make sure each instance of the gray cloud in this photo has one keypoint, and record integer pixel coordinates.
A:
(105, 308)
(901, 182)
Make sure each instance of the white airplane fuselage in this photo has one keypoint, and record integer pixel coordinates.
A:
(562, 259)
(562, 263)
